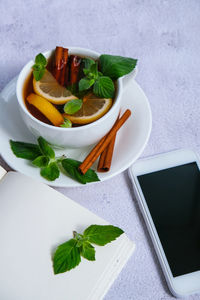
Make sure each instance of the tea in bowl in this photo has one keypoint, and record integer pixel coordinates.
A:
(72, 97)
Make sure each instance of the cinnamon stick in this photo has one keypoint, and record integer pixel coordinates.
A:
(58, 62)
(94, 150)
(105, 159)
(61, 58)
(100, 147)
(75, 63)
(64, 67)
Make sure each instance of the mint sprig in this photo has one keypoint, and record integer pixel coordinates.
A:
(68, 255)
(43, 157)
(111, 68)
(39, 66)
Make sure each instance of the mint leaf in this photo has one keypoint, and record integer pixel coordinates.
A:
(36, 67)
(45, 148)
(88, 62)
(41, 161)
(67, 123)
(51, 172)
(85, 84)
(116, 66)
(93, 70)
(25, 150)
(102, 234)
(66, 257)
(71, 168)
(104, 87)
(72, 106)
(86, 71)
(40, 59)
(39, 66)
(88, 251)
(38, 74)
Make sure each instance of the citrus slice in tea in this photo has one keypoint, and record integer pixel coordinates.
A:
(46, 108)
(92, 109)
(50, 89)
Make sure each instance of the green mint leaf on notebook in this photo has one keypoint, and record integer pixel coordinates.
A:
(104, 87)
(25, 150)
(41, 161)
(66, 257)
(67, 123)
(88, 251)
(71, 168)
(45, 148)
(51, 172)
(72, 106)
(39, 66)
(116, 66)
(102, 234)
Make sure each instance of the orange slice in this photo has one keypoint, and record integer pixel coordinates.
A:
(92, 109)
(46, 108)
(50, 89)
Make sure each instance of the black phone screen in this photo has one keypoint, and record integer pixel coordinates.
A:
(173, 199)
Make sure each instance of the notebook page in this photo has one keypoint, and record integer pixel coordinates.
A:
(34, 219)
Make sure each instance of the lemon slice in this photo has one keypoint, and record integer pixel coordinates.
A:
(46, 108)
(50, 89)
(92, 109)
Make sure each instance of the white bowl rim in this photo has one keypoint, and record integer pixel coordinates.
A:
(84, 127)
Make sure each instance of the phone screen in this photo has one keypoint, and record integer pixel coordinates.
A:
(173, 199)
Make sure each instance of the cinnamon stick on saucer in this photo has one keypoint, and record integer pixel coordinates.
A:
(105, 159)
(101, 146)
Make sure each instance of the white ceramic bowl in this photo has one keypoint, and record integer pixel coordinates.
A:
(68, 137)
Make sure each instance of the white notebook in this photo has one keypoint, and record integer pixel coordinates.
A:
(34, 220)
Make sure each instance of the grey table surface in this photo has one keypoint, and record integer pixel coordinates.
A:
(164, 36)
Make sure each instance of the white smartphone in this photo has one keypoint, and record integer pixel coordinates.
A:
(167, 187)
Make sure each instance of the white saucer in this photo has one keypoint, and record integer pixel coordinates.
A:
(131, 138)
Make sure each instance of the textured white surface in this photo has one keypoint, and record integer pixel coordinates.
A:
(164, 36)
